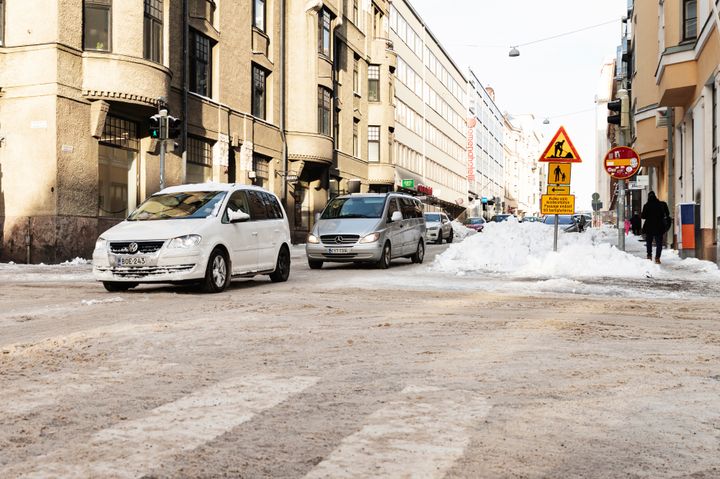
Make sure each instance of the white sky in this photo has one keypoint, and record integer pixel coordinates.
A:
(550, 79)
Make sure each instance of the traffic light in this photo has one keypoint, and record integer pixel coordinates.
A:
(614, 106)
(174, 127)
(155, 127)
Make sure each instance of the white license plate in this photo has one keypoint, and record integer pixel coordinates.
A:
(132, 261)
(338, 250)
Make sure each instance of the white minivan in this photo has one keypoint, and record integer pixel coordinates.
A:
(205, 233)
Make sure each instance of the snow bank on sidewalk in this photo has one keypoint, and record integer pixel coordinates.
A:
(526, 250)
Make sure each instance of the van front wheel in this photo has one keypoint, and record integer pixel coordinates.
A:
(419, 253)
(384, 262)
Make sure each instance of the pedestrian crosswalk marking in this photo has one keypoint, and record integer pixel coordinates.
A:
(134, 448)
(419, 435)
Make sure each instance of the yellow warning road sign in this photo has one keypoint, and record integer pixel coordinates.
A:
(559, 173)
(558, 189)
(561, 149)
(557, 204)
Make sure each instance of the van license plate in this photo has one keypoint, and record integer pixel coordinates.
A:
(131, 261)
(338, 250)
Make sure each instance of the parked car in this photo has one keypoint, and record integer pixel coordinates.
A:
(368, 227)
(563, 220)
(206, 233)
(531, 219)
(476, 223)
(438, 228)
(501, 217)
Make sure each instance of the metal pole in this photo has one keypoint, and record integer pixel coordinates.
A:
(557, 226)
(163, 136)
(621, 215)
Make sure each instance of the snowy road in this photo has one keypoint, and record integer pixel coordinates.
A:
(417, 371)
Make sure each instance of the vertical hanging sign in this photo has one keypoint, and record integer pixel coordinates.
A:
(471, 122)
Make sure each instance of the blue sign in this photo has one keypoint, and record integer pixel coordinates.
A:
(483, 199)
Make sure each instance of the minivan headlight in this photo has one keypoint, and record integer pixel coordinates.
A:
(371, 238)
(101, 243)
(312, 239)
(187, 241)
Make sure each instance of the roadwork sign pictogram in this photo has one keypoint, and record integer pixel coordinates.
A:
(561, 149)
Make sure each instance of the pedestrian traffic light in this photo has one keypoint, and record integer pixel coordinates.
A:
(155, 127)
(614, 106)
(174, 126)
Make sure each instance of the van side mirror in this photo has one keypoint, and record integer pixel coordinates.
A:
(396, 216)
(237, 216)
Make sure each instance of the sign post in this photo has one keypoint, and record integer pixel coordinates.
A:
(560, 153)
(621, 163)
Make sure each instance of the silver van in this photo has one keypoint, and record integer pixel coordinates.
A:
(370, 228)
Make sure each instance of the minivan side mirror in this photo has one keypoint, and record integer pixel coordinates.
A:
(396, 216)
(237, 216)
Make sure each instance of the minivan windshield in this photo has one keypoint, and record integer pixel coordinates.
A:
(354, 207)
(432, 217)
(183, 205)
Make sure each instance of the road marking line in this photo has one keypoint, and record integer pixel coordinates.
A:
(418, 436)
(134, 448)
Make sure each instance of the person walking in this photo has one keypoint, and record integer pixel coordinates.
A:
(655, 213)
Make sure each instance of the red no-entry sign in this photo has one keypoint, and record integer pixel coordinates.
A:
(622, 162)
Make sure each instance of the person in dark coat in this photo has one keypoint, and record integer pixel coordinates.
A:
(654, 213)
(635, 223)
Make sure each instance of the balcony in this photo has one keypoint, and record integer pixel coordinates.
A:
(124, 78)
(677, 76)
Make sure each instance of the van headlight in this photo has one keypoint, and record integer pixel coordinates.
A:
(371, 238)
(312, 239)
(187, 241)
(101, 244)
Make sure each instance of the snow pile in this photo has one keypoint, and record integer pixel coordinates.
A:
(90, 302)
(460, 232)
(76, 261)
(526, 250)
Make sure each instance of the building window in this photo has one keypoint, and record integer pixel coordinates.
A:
(689, 19)
(356, 138)
(96, 28)
(324, 33)
(259, 14)
(153, 42)
(258, 91)
(200, 64)
(373, 143)
(199, 160)
(356, 13)
(374, 83)
(204, 9)
(261, 167)
(324, 96)
(356, 74)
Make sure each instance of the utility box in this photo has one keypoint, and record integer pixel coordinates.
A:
(687, 221)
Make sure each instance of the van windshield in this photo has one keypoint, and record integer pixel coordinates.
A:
(354, 207)
(187, 204)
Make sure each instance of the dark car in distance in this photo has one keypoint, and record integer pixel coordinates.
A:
(476, 223)
(500, 218)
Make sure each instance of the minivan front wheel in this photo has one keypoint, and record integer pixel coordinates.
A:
(282, 267)
(384, 262)
(419, 255)
(217, 274)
